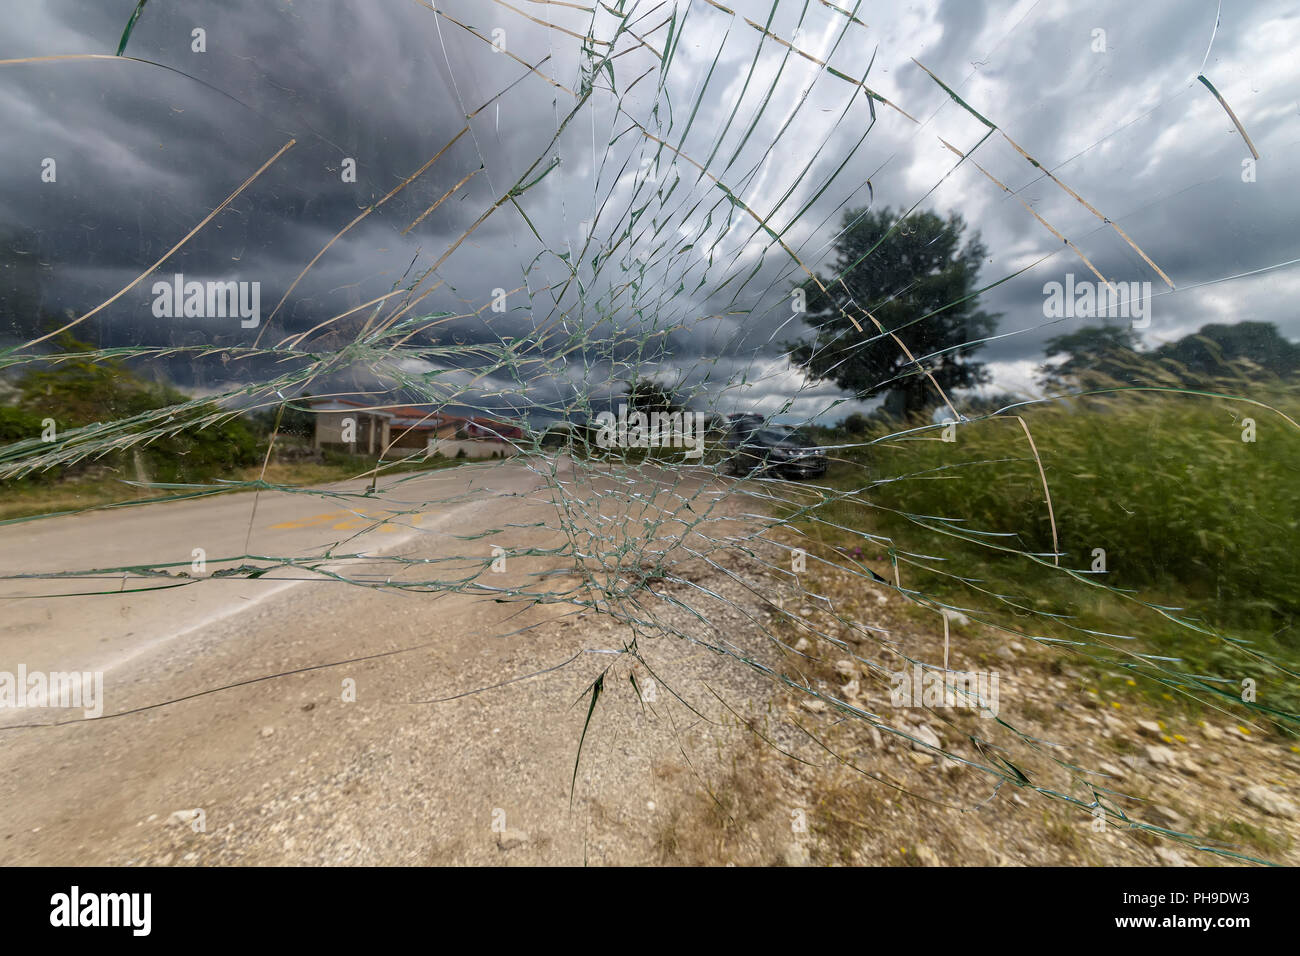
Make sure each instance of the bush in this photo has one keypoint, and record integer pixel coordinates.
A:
(79, 391)
(19, 424)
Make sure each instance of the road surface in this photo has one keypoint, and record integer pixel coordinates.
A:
(400, 756)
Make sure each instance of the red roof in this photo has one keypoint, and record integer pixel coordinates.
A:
(428, 419)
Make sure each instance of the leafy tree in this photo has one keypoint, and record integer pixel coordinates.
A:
(18, 424)
(854, 424)
(79, 391)
(649, 395)
(1216, 348)
(988, 404)
(297, 422)
(1094, 354)
(1101, 355)
(918, 280)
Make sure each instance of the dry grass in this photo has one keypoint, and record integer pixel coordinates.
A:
(31, 500)
(740, 818)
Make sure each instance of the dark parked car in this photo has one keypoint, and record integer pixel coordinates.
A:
(778, 449)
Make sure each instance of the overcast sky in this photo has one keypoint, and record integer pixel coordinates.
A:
(1102, 94)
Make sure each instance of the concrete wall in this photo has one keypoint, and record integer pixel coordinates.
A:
(474, 448)
(372, 432)
(404, 437)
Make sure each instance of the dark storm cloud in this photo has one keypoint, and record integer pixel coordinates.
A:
(151, 151)
(145, 152)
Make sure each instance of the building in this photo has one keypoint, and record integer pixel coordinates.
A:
(351, 426)
(400, 430)
(417, 429)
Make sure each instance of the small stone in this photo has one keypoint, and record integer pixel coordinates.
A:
(1161, 756)
(927, 736)
(1166, 818)
(802, 645)
(956, 617)
(1171, 857)
(921, 760)
(1111, 770)
(1149, 728)
(268, 731)
(846, 669)
(796, 854)
(511, 839)
(814, 704)
(851, 689)
(926, 856)
(182, 816)
(1006, 653)
(1274, 804)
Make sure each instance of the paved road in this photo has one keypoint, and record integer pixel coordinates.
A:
(106, 630)
(395, 757)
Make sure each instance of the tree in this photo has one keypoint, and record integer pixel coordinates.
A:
(298, 422)
(78, 391)
(1094, 355)
(988, 404)
(918, 280)
(1209, 352)
(1109, 354)
(855, 423)
(649, 395)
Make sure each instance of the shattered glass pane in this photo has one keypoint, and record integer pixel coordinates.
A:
(679, 432)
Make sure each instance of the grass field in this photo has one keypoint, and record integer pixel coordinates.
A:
(1171, 532)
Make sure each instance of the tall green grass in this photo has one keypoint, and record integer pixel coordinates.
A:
(1198, 528)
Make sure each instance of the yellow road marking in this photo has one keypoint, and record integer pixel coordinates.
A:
(351, 520)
